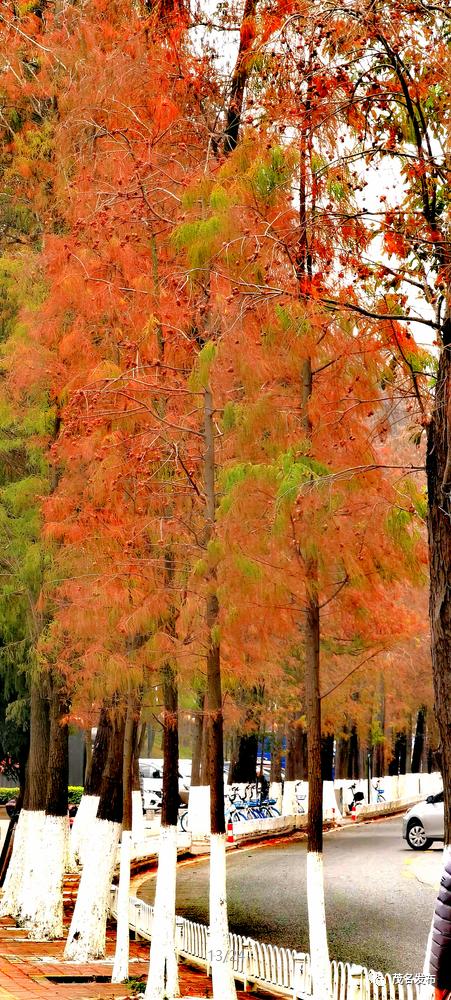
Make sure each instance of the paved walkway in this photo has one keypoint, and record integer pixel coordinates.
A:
(37, 970)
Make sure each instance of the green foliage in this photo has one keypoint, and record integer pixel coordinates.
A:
(216, 635)
(294, 472)
(15, 215)
(75, 793)
(135, 985)
(273, 174)
(377, 734)
(8, 793)
(317, 162)
(35, 144)
(232, 477)
(401, 527)
(9, 293)
(219, 199)
(215, 551)
(229, 416)
(248, 568)
(200, 375)
(24, 481)
(200, 567)
(336, 189)
(284, 316)
(199, 239)
(289, 319)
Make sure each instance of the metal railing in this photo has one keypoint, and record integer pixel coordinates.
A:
(273, 969)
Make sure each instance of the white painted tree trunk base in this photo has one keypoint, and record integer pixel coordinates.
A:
(275, 792)
(163, 982)
(44, 913)
(86, 938)
(81, 832)
(32, 866)
(138, 825)
(319, 949)
(199, 810)
(13, 884)
(122, 953)
(289, 803)
(219, 947)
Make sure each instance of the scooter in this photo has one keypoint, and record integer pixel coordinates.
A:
(357, 798)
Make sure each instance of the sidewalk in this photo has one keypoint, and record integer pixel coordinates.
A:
(37, 970)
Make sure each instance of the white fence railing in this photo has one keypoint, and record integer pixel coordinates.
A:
(276, 970)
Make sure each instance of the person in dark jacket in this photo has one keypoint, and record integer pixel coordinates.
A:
(440, 960)
(262, 786)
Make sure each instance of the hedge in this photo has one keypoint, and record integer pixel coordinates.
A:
(75, 794)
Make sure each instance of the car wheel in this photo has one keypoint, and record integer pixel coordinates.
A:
(416, 836)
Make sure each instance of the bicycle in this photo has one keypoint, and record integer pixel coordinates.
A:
(270, 807)
(379, 791)
(256, 809)
(235, 812)
(300, 797)
(183, 820)
(266, 809)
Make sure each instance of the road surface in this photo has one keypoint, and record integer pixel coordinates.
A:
(379, 895)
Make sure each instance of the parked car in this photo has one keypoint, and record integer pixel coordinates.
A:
(424, 823)
(151, 781)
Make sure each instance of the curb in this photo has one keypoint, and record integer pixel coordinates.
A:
(200, 848)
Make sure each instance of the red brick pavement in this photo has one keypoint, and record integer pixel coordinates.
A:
(37, 970)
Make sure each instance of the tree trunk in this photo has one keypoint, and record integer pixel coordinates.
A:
(205, 757)
(290, 769)
(25, 861)
(196, 755)
(438, 468)
(163, 972)
(300, 752)
(419, 741)
(199, 793)
(221, 966)
(245, 766)
(327, 756)
(276, 760)
(379, 766)
(289, 804)
(44, 913)
(122, 952)
(239, 79)
(88, 752)
(275, 774)
(319, 951)
(354, 755)
(86, 938)
(36, 787)
(80, 835)
(138, 825)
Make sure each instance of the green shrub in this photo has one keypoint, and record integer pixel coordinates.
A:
(6, 794)
(75, 794)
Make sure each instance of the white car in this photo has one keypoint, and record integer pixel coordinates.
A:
(424, 823)
(151, 780)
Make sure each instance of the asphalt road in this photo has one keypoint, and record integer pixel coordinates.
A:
(379, 895)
